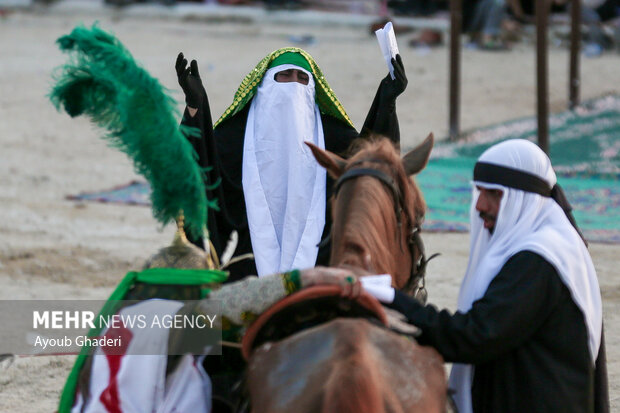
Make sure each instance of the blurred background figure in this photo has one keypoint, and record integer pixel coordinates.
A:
(524, 11)
(417, 7)
(602, 19)
(482, 21)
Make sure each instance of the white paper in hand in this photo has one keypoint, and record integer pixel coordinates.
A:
(387, 43)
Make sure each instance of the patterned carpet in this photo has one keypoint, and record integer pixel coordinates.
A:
(133, 193)
(584, 148)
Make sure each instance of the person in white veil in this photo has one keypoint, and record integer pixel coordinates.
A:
(528, 333)
(269, 188)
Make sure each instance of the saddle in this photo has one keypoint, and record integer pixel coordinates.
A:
(306, 309)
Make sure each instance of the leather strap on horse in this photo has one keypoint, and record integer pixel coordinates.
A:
(418, 267)
(381, 176)
(370, 306)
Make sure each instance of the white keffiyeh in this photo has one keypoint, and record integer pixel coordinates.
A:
(526, 221)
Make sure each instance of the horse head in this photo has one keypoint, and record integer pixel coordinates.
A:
(377, 210)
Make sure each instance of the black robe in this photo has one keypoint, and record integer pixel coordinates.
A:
(221, 151)
(526, 338)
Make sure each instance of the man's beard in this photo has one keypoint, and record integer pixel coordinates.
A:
(486, 216)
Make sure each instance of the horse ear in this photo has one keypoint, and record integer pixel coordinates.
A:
(328, 160)
(416, 159)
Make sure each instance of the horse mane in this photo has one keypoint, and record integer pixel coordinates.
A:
(366, 216)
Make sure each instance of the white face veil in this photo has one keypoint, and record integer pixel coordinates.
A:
(526, 221)
(283, 185)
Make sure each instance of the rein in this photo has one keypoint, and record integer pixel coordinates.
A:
(415, 285)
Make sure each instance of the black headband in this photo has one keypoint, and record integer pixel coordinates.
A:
(512, 178)
(525, 181)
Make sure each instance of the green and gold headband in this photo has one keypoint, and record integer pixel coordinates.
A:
(325, 96)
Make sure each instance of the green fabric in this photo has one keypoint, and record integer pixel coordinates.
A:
(176, 276)
(150, 276)
(102, 81)
(291, 59)
(325, 97)
(584, 150)
(296, 278)
(292, 281)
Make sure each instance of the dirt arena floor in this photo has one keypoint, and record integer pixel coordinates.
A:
(52, 248)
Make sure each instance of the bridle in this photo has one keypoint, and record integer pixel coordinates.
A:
(415, 285)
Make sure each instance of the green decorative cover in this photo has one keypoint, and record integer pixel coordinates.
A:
(198, 278)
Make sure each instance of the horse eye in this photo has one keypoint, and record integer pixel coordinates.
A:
(354, 247)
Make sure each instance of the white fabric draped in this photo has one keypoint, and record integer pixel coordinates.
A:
(283, 185)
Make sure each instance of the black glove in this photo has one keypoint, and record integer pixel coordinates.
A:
(190, 82)
(391, 88)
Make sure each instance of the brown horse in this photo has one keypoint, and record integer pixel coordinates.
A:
(356, 364)
(378, 209)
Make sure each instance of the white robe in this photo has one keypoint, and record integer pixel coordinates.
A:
(283, 185)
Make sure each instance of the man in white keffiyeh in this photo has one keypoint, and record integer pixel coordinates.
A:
(527, 336)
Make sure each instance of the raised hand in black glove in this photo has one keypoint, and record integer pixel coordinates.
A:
(190, 82)
(391, 88)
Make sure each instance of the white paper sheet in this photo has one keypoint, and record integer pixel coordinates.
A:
(379, 286)
(381, 280)
(387, 43)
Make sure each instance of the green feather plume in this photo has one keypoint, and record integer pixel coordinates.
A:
(103, 81)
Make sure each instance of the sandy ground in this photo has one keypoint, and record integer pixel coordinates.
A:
(57, 249)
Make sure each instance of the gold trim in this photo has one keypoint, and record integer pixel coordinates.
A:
(325, 96)
(288, 283)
